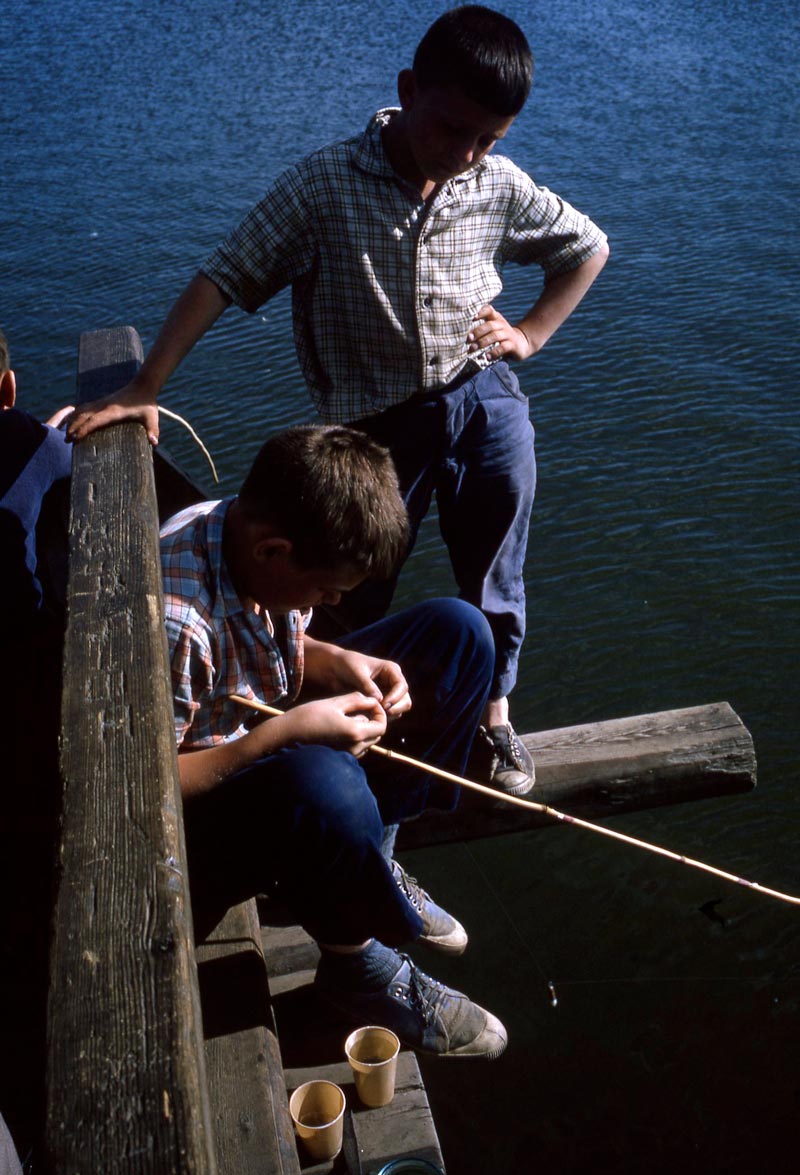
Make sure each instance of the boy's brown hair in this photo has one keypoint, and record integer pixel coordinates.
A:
(332, 492)
(5, 357)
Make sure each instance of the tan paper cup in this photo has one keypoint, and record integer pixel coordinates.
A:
(317, 1110)
(372, 1053)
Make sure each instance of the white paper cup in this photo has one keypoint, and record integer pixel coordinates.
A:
(317, 1110)
(372, 1054)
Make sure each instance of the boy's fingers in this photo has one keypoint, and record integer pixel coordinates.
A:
(88, 418)
(364, 706)
(58, 418)
(398, 699)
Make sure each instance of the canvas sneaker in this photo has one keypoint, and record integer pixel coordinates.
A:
(504, 761)
(424, 1014)
(440, 930)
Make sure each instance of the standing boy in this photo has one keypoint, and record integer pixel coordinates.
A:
(394, 243)
(287, 804)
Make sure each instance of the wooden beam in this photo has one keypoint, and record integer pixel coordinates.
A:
(253, 1129)
(610, 768)
(126, 1082)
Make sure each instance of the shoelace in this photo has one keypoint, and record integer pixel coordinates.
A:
(410, 887)
(515, 746)
(506, 746)
(424, 992)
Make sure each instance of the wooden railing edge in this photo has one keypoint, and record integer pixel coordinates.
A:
(126, 1085)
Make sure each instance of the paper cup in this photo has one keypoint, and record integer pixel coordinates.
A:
(317, 1110)
(372, 1053)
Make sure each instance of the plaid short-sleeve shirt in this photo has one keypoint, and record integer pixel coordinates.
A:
(385, 287)
(220, 645)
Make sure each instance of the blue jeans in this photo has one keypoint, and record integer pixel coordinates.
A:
(307, 823)
(473, 446)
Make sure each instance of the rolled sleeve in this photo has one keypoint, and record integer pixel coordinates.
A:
(549, 232)
(192, 675)
(271, 248)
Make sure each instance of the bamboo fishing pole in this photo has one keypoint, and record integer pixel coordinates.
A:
(546, 810)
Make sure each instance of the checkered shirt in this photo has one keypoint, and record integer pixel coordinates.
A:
(384, 288)
(218, 644)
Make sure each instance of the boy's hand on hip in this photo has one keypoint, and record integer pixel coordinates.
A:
(497, 338)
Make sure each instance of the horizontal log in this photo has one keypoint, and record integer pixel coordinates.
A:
(610, 768)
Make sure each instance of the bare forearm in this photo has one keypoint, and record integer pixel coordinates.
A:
(352, 722)
(196, 310)
(198, 307)
(560, 296)
(203, 770)
(319, 663)
(498, 338)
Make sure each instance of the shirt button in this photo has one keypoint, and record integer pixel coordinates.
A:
(434, 359)
(427, 301)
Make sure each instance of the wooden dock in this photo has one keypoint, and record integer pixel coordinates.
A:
(164, 1057)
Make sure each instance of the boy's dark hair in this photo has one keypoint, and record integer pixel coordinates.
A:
(333, 493)
(482, 52)
(5, 357)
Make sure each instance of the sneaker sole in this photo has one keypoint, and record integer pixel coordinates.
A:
(492, 1028)
(444, 946)
(521, 789)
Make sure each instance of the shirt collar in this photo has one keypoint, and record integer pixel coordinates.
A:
(370, 157)
(368, 154)
(227, 601)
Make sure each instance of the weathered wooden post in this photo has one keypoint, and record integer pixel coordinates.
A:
(126, 1081)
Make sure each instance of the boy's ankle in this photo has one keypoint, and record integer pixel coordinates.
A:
(367, 969)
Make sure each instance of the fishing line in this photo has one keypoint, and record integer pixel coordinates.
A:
(551, 988)
(553, 813)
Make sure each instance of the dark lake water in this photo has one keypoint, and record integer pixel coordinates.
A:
(663, 563)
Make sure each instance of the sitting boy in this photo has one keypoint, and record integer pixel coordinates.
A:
(293, 804)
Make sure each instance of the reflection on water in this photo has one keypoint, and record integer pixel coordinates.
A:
(663, 557)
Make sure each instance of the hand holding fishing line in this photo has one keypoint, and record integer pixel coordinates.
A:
(546, 810)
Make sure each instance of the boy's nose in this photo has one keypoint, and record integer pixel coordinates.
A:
(331, 598)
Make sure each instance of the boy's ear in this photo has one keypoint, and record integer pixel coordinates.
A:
(8, 389)
(268, 547)
(406, 88)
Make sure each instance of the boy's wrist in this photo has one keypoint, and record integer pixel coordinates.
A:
(531, 341)
(147, 385)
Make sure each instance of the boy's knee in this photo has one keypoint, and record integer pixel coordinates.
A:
(466, 624)
(333, 785)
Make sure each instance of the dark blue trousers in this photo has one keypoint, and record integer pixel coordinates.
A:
(307, 823)
(472, 445)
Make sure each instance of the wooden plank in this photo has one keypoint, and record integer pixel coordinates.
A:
(250, 1111)
(126, 1081)
(312, 1039)
(609, 768)
(403, 1129)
